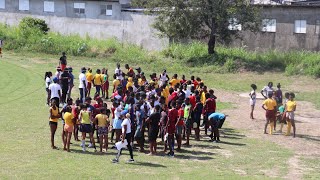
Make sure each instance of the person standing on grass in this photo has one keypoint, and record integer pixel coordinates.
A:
(105, 86)
(290, 108)
(89, 77)
(68, 127)
(139, 121)
(83, 85)
(1, 44)
(126, 135)
(118, 72)
(85, 127)
(197, 116)
(187, 119)
(64, 82)
(55, 91)
(76, 111)
(179, 125)
(115, 83)
(102, 121)
(270, 106)
(154, 121)
(253, 99)
(209, 108)
(216, 121)
(63, 111)
(97, 81)
(163, 123)
(267, 90)
(63, 61)
(58, 74)
(53, 120)
(171, 127)
(48, 81)
(71, 82)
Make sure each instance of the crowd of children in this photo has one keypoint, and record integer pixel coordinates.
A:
(154, 107)
(277, 109)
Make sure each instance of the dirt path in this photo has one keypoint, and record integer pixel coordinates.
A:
(306, 143)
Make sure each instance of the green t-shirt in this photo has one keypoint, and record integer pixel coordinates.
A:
(281, 109)
(187, 110)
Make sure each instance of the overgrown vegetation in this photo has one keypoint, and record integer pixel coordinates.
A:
(226, 60)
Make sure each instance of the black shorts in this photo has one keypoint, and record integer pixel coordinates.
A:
(188, 123)
(53, 123)
(86, 128)
(153, 134)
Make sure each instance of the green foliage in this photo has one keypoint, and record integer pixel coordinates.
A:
(32, 26)
(199, 19)
(194, 54)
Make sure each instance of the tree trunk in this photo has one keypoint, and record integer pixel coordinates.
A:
(212, 38)
(211, 44)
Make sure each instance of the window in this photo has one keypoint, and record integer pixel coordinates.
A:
(269, 25)
(24, 5)
(48, 6)
(109, 10)
(234, 25)
(300, 26)
(2, 4)
(317, 27)
(79, 8)
(106, 10)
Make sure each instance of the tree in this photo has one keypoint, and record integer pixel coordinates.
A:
(215, 20)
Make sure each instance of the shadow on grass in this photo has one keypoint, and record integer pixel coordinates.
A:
(231, 143)
(188, 157)
(148, 164)
(186, 151)
(309, 138)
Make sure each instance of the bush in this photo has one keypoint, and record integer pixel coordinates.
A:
(33, 26)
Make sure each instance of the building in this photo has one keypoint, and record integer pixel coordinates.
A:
(285, 28)
(286, 24)
(95, 18)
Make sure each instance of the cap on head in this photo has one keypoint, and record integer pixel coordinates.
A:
(83, 69)
(55, 79)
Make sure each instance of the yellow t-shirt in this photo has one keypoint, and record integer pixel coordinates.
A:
(203, 98)
(141, 82)
(129, 84)
(68, 117)
(291, 105)
(55, 113)
(173, 82)
(270, 104)
(102, 120)
(116, 83)
(89, 77)
(97, 79)
(165, 94)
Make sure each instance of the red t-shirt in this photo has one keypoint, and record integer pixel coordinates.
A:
(172, 119)
(195, 83)
(173, 96)
(210, 105)
(181, 115)
(192, 101)
(183, 81)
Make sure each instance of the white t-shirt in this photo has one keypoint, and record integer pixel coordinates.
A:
(48, 80)
(163, 78)
(119, 72)
(58, 74)
(117, 112)
(82, 77)
(126, 122)
(187, 92)
(54, 90)
(267, 90)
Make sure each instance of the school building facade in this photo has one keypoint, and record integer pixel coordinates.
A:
(285, 26)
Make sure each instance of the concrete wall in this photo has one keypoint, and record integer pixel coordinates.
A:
(132, 28)
(284, 38)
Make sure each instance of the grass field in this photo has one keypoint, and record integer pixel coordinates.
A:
(24, 136)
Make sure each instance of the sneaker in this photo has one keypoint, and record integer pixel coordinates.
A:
(130, 161)
(90, 146)
(115, 160)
